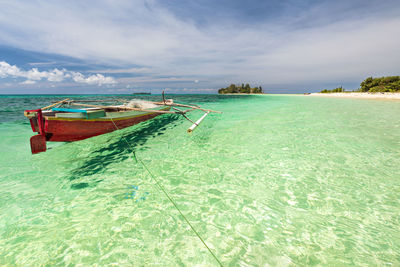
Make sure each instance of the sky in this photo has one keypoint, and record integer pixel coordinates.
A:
(185, 46)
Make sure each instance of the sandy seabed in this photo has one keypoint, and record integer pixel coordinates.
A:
(361, 95)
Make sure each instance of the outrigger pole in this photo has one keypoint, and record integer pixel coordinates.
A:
(164, 102)
(191, 129)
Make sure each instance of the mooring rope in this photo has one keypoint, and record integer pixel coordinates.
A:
(168, 196)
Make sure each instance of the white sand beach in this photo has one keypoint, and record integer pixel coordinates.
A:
(379, 95)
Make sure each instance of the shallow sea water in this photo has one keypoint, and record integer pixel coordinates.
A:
(273, 181)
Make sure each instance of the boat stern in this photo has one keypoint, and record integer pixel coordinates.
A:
(38, 142)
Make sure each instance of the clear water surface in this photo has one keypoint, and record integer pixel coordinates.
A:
(274, 180)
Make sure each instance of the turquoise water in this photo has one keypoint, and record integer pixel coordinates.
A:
(274, 180)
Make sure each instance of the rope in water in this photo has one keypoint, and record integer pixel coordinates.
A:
(167, 195)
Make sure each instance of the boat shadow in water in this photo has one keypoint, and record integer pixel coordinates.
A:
(119, 150)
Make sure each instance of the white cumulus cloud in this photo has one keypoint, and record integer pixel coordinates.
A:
(98, 79)
(33, 75)
(28, 82)
(57, 75)
(8, 70)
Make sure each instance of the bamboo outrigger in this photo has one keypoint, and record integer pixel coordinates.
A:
(72, 120)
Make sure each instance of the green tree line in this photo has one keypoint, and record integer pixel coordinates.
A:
(336, 90)
(382, 84)
(240, 89)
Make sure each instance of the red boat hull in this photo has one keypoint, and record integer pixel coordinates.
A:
(65, 130)
(56, 129)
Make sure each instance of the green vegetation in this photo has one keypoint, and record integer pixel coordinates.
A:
(243, 89)
(383, 84)
(336, 90)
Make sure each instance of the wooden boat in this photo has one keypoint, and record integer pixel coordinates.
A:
(69, 120)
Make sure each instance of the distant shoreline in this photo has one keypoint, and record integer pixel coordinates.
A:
(244, 94)
(380, 95)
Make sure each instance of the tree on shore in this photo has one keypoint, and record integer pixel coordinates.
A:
(242, 89)
(336, 90)
(382, 84)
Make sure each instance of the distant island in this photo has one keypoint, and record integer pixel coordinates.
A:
(389, 84)
(240, 89)
(142, 93)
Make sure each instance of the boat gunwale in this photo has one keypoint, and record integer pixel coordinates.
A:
(106, 118)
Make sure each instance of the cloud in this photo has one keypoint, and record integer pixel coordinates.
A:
(129, 70)
(154, 79)
(203, 90)
(33, 75)
(56, 75)
(28, 82)
(98, 79)
(120, 90)
(328, 41)
(42, 63)
(8, 70)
